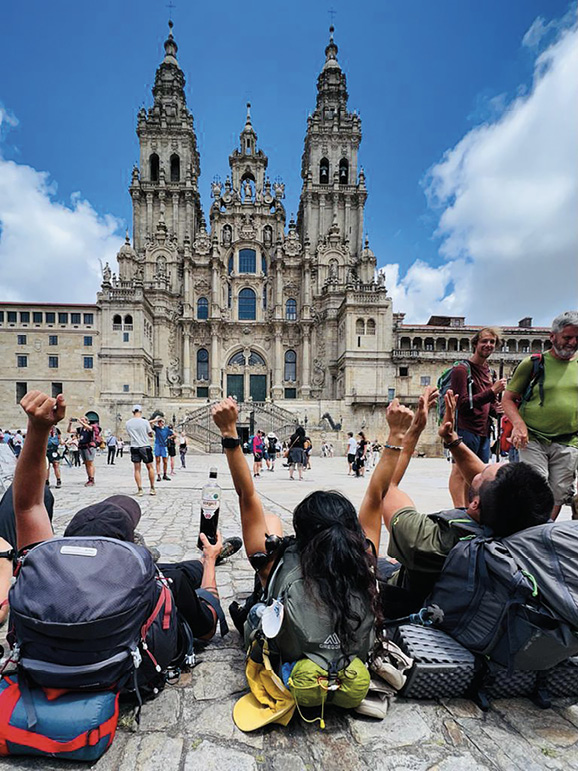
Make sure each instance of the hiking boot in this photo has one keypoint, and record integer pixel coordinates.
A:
(153, 491)
(167, 478)
(230, 546)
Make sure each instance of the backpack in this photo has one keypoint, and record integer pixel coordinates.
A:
(96, 435)
(92, 613)
(444, 382)
(307, 633)
(514, 600)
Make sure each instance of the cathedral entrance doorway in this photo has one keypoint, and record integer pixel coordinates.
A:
(246, 375)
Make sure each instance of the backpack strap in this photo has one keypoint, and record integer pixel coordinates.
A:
(216, 606)
(537, 376)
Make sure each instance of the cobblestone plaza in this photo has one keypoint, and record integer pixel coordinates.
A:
(189, 726)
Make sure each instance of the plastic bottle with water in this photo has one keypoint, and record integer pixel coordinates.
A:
(210, 507)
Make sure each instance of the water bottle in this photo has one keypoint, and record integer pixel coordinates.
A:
(210, 507)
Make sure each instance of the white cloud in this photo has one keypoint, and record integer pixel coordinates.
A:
(50, 251)
(508, 198)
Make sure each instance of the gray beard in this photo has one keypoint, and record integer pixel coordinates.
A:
(562, 353)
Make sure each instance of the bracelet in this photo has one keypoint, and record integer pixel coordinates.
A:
(393, 447)
(453, 444)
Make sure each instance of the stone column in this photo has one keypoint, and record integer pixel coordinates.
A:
(215, 386)
(186, 361)
(277, 388)
(215, 300)
(305, 390)
(149, 213)
(176, 216)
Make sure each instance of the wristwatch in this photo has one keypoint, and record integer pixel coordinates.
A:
(229, 442)
(8, 555)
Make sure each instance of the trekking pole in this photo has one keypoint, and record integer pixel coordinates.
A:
(499, 419)
(425, 617)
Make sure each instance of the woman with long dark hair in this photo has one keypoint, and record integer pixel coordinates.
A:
(334, 551)
(296, 455)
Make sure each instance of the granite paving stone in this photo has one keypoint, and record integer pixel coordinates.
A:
(189, 727)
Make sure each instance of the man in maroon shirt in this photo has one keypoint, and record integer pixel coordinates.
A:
(477, 393)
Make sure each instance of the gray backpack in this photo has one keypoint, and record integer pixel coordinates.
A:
(307, 630)
(514, 600)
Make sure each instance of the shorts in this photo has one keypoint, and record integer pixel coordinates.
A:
(160, 452)
(141, 454)
(350, 457)
(556, 462)
(88, 453)
(172, 452)
(297, 456)
(479, 445)
(52, 455)
(360, 462)
(257, 457)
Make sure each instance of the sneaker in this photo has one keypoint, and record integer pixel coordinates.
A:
(167, 478)
(230, 546)
(90, 483)
(158, 477)
(58, 483)
(374, 705)
(139, 492)
(153, 491)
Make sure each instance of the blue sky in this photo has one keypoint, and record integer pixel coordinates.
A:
(435, 84)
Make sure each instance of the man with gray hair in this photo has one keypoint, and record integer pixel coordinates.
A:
(541, 400)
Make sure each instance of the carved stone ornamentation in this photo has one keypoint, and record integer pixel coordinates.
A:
(318, 377)
(202, 243)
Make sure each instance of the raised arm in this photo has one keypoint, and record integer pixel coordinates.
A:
(32, 522)
(398, 419)
(252, 515)
(467, 462)
(396, 498)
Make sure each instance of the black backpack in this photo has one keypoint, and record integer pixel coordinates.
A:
(514, 600)
(92, 613)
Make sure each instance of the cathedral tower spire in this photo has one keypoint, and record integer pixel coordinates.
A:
(164, 188)
(332, 196)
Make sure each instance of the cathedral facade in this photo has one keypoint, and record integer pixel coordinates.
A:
(292, 316)
(246, 303)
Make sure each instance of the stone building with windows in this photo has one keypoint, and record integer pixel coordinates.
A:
(290, 317)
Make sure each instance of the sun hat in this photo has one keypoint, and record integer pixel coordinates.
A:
(269, 701)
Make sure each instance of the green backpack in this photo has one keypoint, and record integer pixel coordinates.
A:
(312, 660)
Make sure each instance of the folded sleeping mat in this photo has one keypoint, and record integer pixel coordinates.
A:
(445, 669)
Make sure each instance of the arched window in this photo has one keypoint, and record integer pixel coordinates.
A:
(417, 343)
(175, 168)
(256, 360)
(360, 327)
(429, 344)
(154, 165)
(291, 310)
(405, 343)
(263, 265)
(202, 364)
(452, 344)
(237, 358)
(202, 308)
(524, 346)
(247, 261)
(343, 171)
(117, 322)
(247, 305)
(536, 346)
(128, 319)
(441, 344)
(465, 344)
(324, 171)
(230, 265)
(370, 329)
(290, 366)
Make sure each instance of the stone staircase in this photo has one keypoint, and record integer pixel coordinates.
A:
(199, 427)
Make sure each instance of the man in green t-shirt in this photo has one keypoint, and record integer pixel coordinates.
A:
(545, 422)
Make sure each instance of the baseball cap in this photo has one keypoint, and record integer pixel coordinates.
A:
(115, 517)
(137, 408)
